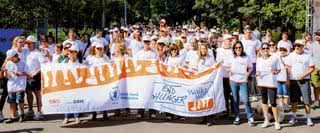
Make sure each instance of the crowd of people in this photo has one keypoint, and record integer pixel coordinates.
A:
(281, 73)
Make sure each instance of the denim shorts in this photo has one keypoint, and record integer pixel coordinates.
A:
(282, 90)
(17, 97)
(300, 88)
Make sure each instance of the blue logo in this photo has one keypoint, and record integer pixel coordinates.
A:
(114, 93)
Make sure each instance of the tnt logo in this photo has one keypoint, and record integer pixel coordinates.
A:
(201, 105)
(54, 101)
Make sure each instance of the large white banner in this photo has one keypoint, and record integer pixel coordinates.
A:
(131, 84)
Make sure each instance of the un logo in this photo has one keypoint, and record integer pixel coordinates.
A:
(114, 94)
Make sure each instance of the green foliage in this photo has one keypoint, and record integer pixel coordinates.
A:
(87, 13)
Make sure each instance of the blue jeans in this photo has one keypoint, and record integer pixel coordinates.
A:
(282, 90)
(75, 115)
(239, 89)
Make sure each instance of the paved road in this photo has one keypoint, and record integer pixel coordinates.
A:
(53, 123)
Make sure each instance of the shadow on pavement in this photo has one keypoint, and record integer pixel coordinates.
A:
(31, 130)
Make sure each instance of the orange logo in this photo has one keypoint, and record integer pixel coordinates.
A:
(201, 105)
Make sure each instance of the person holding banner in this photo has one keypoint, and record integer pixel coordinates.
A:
(267, 70)
(15, 71)
(98, 58)
(225, 54)
(72, 61)
(205, 61)
(145, 53)
(239, 69)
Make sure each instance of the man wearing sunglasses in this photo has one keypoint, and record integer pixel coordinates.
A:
(300, 65)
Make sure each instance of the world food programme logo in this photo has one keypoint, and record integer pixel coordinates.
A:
(114, 94)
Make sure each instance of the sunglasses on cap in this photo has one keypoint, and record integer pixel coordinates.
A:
(72, 51)
(283, 49)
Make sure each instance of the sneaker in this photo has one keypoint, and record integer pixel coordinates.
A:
(236, 121)
(309, 122)
(292, 121)
(10, 120)
(65, 121)
(251, 122)
(77, 121)
(277, 126)
(21, 118)
(29, 113)
(209, 124)
(153, 116)
(37, 116)
(265, 124)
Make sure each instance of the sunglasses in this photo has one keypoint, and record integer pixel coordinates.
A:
(265, 48)
(99, 48)
(72, 52)
(237, 47)
(283, 50)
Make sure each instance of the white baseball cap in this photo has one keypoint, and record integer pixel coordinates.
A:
(99, 45)
(74, 48)
(146, 38)
(11, 53)
(227, 36)
(31, 39)
(299, 42)
(162, 40)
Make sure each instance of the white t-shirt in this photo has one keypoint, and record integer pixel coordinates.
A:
(135, 46)
(287, 44)
(99, 40)
(23, 54)
(192, 58)
(224, 55)
(205, 63)
(282, 76)
(16, 83)
(239, 67)
(264, 69)
(299, 64)
(174, 61)
(97, 60)
(142, 54)
(250, 47)
(34, 61)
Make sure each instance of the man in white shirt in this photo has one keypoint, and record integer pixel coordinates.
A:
(285, 42)
(300, 66)
(251, 46)
(34, 79)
